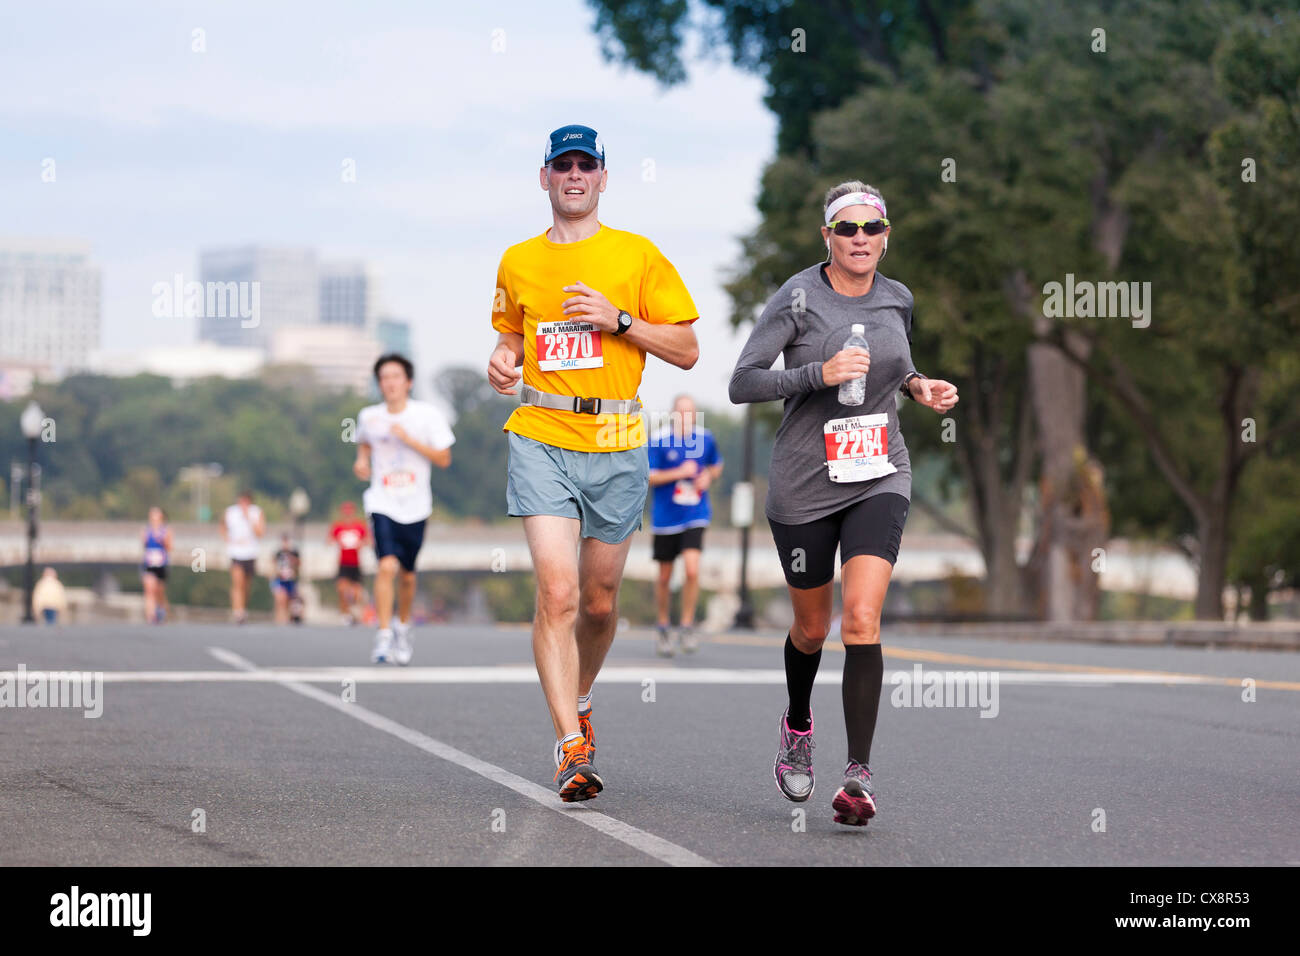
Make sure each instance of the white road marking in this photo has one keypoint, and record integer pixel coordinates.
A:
(623, 674)
(638, 839)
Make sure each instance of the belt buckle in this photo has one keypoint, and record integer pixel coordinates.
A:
(586, 406)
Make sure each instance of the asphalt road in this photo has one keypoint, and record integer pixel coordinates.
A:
(449, 761)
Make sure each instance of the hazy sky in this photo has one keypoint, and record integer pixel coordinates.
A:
(161, 151)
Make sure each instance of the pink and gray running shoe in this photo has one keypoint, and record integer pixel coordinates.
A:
(855, 802)
(794, 764)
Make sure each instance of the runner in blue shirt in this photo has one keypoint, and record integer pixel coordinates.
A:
(684, 462)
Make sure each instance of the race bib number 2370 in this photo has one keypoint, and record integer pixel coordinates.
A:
(567, 345)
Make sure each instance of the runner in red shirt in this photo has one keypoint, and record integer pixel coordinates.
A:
(350, 534)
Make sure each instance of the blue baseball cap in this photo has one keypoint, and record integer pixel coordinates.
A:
(584, 139)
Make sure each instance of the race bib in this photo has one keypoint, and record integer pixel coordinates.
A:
(568, 345)
(399, 482)
(684, 493)
(857, 449)
(155, 557)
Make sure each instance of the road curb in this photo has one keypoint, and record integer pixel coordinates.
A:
(1281, 636)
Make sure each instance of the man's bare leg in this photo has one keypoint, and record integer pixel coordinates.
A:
(388, 568)
(405, 596)
(237, 581)
(601, 572)
(553, 545)
(691, 585)
(663, 596)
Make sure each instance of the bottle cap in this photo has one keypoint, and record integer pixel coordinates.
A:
(859, 329)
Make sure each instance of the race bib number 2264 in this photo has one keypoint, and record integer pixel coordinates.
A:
(857, 449)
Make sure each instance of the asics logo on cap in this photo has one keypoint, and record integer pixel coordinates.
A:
(569, 136)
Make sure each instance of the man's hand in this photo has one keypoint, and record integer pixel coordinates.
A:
(703, 480)
(501, 370)
(845, 365)
(933, 393)
(592, 306)
(361, 468)
(398, 432)
(688, 469)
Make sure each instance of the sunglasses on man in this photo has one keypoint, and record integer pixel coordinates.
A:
(850, 227)
(564, 165)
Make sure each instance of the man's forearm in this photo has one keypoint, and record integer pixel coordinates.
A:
(515, 341)
(675, 344)
(439, 456)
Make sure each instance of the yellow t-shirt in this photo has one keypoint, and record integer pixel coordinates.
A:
(565, 355)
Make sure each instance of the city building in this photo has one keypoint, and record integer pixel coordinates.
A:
(341, 357)
(394, 335)
(181, 363)
(347, 294)
(49, 303)
(256, 290)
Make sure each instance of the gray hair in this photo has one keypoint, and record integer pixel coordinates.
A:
(843, 189)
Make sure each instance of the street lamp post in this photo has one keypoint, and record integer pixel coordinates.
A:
(742, 516)
(199, 476)
(299, 505)
(30, 422)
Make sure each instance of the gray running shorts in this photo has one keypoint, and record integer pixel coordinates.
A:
(605, 490)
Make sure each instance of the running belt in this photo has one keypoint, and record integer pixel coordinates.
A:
(576, 403)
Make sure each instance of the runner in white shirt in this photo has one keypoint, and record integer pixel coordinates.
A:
(397, 441)
(243, 525)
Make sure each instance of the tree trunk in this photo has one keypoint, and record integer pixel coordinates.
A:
(1258, 597)
(1074, 521)
(996, 497)
(1212, 538)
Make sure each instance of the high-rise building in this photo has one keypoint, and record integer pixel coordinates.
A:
(347, 294)
(341, 357)
(283, 283)
(394, 335)
(49, 302)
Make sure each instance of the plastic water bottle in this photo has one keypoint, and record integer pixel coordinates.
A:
(854, 391)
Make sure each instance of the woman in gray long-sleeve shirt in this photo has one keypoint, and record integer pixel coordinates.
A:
(840, 475)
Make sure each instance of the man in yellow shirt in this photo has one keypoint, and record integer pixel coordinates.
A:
(578, 307)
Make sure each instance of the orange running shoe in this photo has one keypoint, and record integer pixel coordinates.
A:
(577, 777)
(588, 736)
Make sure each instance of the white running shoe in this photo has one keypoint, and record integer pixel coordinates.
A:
(383, 651)
(687, 639)
(402, 649)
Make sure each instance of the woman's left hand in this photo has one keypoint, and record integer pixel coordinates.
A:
(934, 393)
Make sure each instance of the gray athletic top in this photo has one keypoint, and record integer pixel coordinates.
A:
(808, 322)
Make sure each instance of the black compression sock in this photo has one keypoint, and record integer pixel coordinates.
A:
(800, 671)
(864, 670)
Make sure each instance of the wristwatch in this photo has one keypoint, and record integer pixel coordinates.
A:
(624, 323)
(907, 380)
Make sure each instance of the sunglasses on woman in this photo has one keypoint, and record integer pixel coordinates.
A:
(850, 227)
(564, 165)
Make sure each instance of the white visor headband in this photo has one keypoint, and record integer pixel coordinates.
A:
(855, 199)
